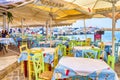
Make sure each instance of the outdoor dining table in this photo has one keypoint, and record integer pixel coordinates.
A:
(7, 41)
(47, 52)
(46, 43)
(93, 68)
(77, 51)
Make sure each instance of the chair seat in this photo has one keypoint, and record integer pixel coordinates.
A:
(46, 75)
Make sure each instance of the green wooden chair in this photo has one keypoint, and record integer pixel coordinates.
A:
(98, 51)
(38, 63)
(111, 61)
(89, 54)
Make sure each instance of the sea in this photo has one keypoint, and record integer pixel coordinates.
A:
(106, 37)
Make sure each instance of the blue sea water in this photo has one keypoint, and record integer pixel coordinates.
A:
(106, 37)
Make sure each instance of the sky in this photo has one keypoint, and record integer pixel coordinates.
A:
(96, 22)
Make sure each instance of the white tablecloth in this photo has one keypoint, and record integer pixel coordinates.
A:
(73, 66)
(83, 66)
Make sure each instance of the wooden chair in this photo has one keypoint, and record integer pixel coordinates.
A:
(38, 63)
(24, 48)
(111, 61)
(89, 54)
(68, 50)
(102, 45)
(56, 56)
(98, 52)
(88, 41)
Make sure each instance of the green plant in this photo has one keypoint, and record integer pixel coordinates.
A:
(9, 17)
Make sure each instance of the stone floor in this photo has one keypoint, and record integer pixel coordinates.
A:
(15, 75)
(117, 69)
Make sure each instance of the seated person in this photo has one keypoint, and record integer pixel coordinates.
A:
(3, 34)
(7, 35)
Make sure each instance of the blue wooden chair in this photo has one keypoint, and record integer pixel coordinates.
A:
(89, 54)
(117, 45)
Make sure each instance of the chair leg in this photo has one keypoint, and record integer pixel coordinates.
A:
(29, 68)
(22, 65)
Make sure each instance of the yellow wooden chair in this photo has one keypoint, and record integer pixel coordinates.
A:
(102, 46)
(24, 48)
(56, 56)
(88, 41)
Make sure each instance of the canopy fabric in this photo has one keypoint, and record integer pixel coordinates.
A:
(96, 6)
(104, 7)
(38, 13)
(32, 16)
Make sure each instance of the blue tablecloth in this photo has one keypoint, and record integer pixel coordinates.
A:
(48, 58)
(78, 53)
(7, 41)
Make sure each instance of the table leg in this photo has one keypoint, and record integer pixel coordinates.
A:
(25, 69)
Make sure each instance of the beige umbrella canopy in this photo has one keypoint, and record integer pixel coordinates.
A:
(33, 16)
(39, 12)
(104, 7)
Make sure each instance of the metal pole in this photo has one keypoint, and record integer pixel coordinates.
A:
(113, 28)
(50, 31)
(22, 29)
(8, 26)
(85, 29)
(4, 21)
(46, 31)
(22, 26)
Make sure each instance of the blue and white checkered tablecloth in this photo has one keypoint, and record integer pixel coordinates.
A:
(7, 41)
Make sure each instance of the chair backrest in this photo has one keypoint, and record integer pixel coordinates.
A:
(38, 63)
(62, 48)
(102, 45)
(88, 41)
(89, 54)
(111, 61)
(23, 48)
(98, 52)
(56, 56)
(72, 43)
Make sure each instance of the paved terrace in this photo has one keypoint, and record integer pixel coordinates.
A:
(10, 69)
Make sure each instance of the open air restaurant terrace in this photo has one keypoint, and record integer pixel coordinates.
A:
(39, 40)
